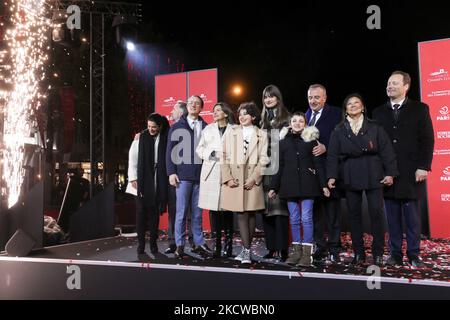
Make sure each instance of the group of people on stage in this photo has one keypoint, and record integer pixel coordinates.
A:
(294, 169)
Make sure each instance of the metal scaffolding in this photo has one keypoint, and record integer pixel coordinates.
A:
(98, 11)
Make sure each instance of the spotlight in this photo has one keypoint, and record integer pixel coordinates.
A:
(125, 28)
(130, 46)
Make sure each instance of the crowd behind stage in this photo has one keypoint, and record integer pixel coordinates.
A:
(294, 169)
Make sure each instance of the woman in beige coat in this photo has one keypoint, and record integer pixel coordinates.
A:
(245, 156)
(209, 150)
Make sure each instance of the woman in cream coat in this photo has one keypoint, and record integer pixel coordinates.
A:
(209, 150)
(245, 156)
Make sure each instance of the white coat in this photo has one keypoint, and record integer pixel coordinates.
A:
(210, 177)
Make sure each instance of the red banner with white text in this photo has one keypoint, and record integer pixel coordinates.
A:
(434, 59)
(168, 90)
(179, 86)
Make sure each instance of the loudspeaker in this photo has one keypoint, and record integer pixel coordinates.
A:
(20, 244)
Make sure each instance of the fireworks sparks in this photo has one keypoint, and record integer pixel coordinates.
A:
(27, 46)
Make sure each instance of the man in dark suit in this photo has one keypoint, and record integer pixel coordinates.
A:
(152, 184)
(325, 118)
(184, 168)
(409, 126)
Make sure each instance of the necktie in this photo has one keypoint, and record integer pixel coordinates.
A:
(196, 129)
(312, 121)
(396, 112)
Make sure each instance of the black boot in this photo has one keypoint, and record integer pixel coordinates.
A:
(283, 255)
(229, 243)
(153, 247)
(271, 255)
(218, 248)
(141, 247)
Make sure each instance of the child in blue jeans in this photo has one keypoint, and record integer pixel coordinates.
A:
(299, 180)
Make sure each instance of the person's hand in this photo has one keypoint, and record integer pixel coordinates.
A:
(232, 183)
(173, 180)
(249, 184)
(331, 183)
(136, 136)
(134, 184)
(326, 192)
(421, 175)
(388, 181)
(319, 149)
(272, 194)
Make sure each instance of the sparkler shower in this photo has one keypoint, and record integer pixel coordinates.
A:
(27, 46)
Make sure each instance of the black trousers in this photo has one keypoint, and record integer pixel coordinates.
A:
(221, 220)
(327, 211)
(147, 218)
(276, 230)
(375, 205)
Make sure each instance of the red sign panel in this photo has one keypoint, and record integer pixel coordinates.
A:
(168, 90)
(179, 86)
(435, 91)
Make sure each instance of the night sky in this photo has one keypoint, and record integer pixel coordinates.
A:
(292, 46)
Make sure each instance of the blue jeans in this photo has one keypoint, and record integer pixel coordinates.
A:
(301, 215)
(187, 196)
(395, 209)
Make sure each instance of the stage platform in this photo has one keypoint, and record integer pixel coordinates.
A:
(110, 269)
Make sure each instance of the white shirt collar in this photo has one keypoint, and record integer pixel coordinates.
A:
(191, 121)
(400, 103)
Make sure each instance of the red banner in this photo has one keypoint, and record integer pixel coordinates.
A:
(179, 86)
(434, 59)
(168, 90)
(203, 83)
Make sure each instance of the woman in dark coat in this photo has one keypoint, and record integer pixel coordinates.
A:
(274, 116)
(361, 156)
(152, 182)
(299, 180)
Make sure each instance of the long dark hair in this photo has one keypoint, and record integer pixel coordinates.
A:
(160, 121)
(227, 110)
(282, 118)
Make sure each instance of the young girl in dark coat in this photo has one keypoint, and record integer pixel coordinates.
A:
(299, 180)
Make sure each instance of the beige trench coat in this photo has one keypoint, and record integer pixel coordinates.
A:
(235, 166)
(210, 178)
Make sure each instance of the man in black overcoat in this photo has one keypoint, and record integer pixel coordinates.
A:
(409, 126)
(152, 183)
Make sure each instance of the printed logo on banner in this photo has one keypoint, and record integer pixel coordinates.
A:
(443, 152)
(440, 75)
(443, 134)
(444, 114)
(205, 98)
(446, 176)
(206, 102)
(171, 99)
(445, 197)
(442, 93)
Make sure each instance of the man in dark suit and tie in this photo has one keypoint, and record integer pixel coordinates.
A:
(325, 118)
(408, 124)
